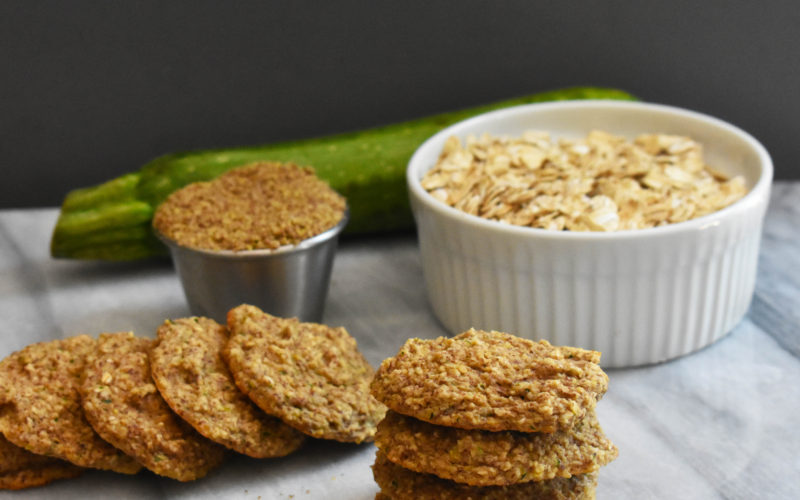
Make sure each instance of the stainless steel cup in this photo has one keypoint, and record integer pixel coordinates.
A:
(286, 282)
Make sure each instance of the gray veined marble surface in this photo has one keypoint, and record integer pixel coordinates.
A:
(720, 423)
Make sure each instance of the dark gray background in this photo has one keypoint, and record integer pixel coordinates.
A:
(91, 90)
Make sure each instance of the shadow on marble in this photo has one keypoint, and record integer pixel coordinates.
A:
(69, 272)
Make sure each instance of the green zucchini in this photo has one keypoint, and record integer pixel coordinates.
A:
(111, 221)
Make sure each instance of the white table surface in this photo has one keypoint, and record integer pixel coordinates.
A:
(720, 423)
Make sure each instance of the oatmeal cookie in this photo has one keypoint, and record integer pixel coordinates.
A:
(485, 458)
(194, 380)
(311, 376)
(122, 404)
(398, 483)
(20, 469)
(40, 407)
(491, 381)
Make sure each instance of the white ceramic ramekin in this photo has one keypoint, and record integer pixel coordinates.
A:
(640, 296)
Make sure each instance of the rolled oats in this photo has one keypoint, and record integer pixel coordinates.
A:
(600, 183)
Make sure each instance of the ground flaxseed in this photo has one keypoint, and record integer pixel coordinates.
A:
(259, 206)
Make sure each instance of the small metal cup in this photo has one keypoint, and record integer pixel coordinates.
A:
(286, 282)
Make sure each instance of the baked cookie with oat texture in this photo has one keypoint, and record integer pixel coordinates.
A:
(194, 380)
(20, 469)
(398, 483)
(311, 376)
(124, 406)
(491, 381)
(40, 408)
(486, 458)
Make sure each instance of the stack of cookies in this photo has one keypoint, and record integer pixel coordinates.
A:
(487, 415)
(177, 404)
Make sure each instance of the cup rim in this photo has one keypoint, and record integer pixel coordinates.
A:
(757, 195)
(304, 245)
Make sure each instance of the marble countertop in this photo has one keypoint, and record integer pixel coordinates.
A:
(719, 423)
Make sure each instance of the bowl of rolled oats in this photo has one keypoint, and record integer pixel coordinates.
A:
(625, 227)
